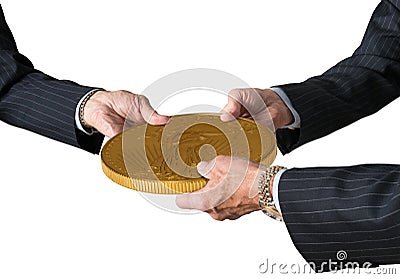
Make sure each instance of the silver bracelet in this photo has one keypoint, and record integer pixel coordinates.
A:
(82, 107)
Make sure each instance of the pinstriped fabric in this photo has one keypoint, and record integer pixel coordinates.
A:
(355, 209)
(356, 87)
(34, 101)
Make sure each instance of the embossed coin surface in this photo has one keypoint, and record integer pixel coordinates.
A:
(163, 159)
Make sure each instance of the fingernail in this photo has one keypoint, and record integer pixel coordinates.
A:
(227, 117)
(201, 166)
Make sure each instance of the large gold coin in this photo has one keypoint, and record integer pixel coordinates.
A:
(163, 159)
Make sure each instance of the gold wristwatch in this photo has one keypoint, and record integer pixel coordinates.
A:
(267, 203)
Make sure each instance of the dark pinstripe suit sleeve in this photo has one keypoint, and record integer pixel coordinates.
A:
(355, 209)
(356, 87)
(32, 100)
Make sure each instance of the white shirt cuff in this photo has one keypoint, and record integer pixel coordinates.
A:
(275, 188)
(285, 99)
(78, 123)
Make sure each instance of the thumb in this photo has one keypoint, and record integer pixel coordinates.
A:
(233, 107)
(149, 114)
(205, 168)
(158, 119)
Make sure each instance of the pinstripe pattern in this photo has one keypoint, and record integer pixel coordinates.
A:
(355, 209)
(32, 100)
(356, 87)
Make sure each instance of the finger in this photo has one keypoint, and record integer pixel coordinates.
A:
(205, 168)
(233, 107)
(185, 201)
(195, 200)
(215, 169)
(203, 199)
(158, 119)
(149, 114)
(210, 195)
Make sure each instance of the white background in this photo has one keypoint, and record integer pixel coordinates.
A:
(60, 217)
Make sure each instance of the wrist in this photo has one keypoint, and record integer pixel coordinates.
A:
(279, 111)
(284, 117)
(88, 107)
(267, 203)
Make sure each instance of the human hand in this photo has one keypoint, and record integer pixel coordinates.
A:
(107, 111)
(232, 189)
(260, 104)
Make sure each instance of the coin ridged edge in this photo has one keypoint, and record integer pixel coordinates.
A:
(165, 187)
(151, 186)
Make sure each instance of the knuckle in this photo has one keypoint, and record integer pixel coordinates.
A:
(123, 92)
(216, 216)
(235, 92)
(143, 100)
(142, 97)
(135, 100)
(221, 164)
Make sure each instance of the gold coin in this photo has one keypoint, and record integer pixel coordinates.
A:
(163, 159)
